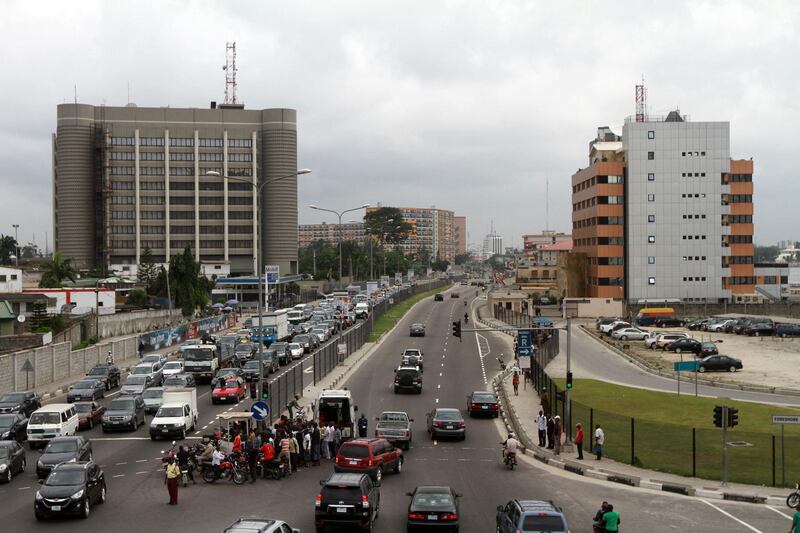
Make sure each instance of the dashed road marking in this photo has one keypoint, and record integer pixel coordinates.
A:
(777, 511)
(142, 460)
(439, 386)
(197, 432)
(119, 475)
(437, 400)
(141, 473)
(729, 515)
(119, 464)
(23, 488)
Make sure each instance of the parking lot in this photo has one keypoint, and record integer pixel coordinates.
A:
(767, 360)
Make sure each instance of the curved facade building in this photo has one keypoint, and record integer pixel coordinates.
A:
(128, 179)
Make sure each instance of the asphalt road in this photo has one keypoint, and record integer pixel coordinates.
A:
(137, 496)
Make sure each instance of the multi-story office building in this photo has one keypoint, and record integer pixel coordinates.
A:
(329, 233)
(460, 231)
(432, 232)
(492, 245)
(130, 178)
(663, 213)
(532, 242)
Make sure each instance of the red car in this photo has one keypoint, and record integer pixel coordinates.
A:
(233, 389)
(89, 414)
(369, 456)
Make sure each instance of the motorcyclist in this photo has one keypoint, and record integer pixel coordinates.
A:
(466, 317)
(216, 460)
(109, 358)
(510, 446)
(184, 461)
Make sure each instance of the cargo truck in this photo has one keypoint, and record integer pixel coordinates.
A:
(203, 361)
(274, 327)
(177, 414)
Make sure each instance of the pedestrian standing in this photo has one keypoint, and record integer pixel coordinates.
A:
(294, 451)
(307, 446)
(579, 440)
(795, 527)
(337, 440)
(330, 434)
(285, 455)
(541, 425)
(363, 423)
(171, 480)
(597, 523)
(252, 456)
(599, 440)
(558, 430)
(237, 442)
(611, 520)
(141, 349)
(544, 401)
(515, 383)
(316, 442)
(551, 428)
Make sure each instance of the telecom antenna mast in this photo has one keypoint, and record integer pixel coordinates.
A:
(641, 103)
(230, 73)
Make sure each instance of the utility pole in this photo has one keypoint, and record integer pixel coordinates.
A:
(567, 412)
(16, 243)
(725, 446)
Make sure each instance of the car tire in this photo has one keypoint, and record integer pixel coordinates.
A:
(86, 508)
(701, 369)
(183, 434)
(102, 498)
(399, 466)
(732, 369)
(623, 338)
(24, 465)
(756, 334)
(8, 476)
(379, 473)
(39, 517)
(91, 423)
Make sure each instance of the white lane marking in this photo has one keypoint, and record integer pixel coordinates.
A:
(729, 515)
(308, 370)
(435, 442)
(119, 475)
(197, 432)
(440, 374)
(439, 386)
(23, 488)
(118, 464)
(437, 400)
(777, 511)
(141, 473)
(143, 460)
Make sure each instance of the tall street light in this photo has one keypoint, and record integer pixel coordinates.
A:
(339, 214)
(258, 273)
(16, 241)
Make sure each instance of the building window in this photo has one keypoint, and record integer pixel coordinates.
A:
(651, 156)
(240, 143)
(122, 141)
(651, 239)
(651, 218)
(651, 197)
(651, 260)
(651, 281)
(651, 134)
(181, 142)
(211, 143)
(651, 177)
(151, 141)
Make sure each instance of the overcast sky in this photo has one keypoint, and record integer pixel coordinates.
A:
(466, 105)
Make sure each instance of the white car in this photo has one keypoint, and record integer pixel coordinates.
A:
(296, 349)
(629, 333)
(666, 338)
(606, 328)
(651, 338)
(719, 326)
(172, 367)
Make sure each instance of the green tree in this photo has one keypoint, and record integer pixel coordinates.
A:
(56, 270)
(461, 259)
(147, 271)
(8, 247)
(766, 254)
(440, 265)
(191, 289)
(137, 297)
(387, 225)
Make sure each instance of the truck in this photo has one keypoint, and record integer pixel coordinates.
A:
(177, 414)
(394, 426)
(227, 345)
(274, 327)
(336, 405)
(203, 361)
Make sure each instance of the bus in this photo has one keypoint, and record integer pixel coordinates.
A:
(648, 316)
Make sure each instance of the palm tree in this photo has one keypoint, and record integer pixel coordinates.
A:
(56, 270)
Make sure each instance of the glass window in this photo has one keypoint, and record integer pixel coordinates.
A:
(651, 134)
(651, 260)
(651, 155)
(651, 197)
(651, 177)
(651, 239)
(651, 218)
(651, 281)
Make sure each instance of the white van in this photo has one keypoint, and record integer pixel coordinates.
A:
(50, 421)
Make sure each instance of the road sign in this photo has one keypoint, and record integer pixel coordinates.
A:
(27, 366)
(260, 411)
(524, 342)
(524, 361)
(785, 419)
(272, 273)
(684, 366)
(342, 349)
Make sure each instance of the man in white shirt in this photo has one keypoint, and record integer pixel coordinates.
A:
(541, 425)
(327, 447)
(510, 446)
(599, 440)
(216, 459)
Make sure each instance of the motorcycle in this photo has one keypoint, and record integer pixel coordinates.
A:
(502, 363)
(167, 454)
(272, 469)
(233, 467)
(509, 459)
(794, 498)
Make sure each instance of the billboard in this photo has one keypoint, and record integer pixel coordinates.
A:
(384, 282)
(398, 278)
(411, 275)
(372, 289)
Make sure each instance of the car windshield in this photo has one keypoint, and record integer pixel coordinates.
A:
(153, 393)
(98, 371)
(448, 415)
(231, 384)
(44, 418)
(302, 338)
(170, 411)
(543, 523)
(141, 370)
(709, 345)
(151, 358)
(416, 325)
(483, 398)
(433, 499)
(12, 398)
(411, 352)
(173, 365)
(62, 478)
(252, 365)
(394, 417)
(197, 354)
(3, 452)
(294, 346)
(87, 384)
(354, 450)
(121, 404)
(6, 421)
(136, 380)
(61, 446)
(175, 381)
(83, 407)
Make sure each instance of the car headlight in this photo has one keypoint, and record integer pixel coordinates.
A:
(40, 464)
(78, 495)
(3, 468)
(38, 495)
(6, 435)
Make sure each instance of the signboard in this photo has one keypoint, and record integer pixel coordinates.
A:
(684, 366)
(342, 349)
(786, 419)
(272, 273)
(398, 278)
(524, 344)
(372, 288)
(411, 275)
(384, 282)
(524, 361)
(260, 411)
(428, 272)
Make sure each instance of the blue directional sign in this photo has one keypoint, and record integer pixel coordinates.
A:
(685, 366)
(260, 411)
(524, 342)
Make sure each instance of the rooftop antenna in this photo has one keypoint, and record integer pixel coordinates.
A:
(641, 105)
(230, 73)
(129, 92)
(75, 93)
(547, 203)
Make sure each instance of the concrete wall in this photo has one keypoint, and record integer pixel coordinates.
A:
(57, 362)
(136, 322)
(592, 307)
(786, 309)
(13, 343)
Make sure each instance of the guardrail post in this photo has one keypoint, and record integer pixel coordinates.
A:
(694, 452)
(591, 422)
(633, 441)
(773, 460)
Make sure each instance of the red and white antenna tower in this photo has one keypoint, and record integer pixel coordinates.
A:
(641, 102)
(230, 73)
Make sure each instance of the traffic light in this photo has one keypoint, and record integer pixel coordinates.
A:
(733, 417)
(457, 329)
(253, 394)
(265, 390)
(569, 380)
(718, 416)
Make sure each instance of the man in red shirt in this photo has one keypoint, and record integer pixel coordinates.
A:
(237, 443)
(268, 452)
(579, 440)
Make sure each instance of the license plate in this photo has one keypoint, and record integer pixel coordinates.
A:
(56, 508)
(353, 462)
(449, 427)
(165, 430)
(341, 509)
(484, 406)
(433, 517)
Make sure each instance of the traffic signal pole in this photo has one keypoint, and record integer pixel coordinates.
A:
(725, 446)
(567, 405)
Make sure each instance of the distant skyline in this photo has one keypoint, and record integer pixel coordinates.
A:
(463, 104)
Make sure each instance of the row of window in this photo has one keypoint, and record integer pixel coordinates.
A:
(740, 178)
(603, 261)
(700, 216)
(180, 244)
(615, 200)
(695, 154)
(694, 258)
(740, 219)
(693, 195)
(211, 215)
(741, 280)
(181, 142)
(739, 239)
(691, 278)
(739, 198)
(696, 174)
(160, 230)
(740, 260)
(176, 171)
(597, 221)
(694, 237)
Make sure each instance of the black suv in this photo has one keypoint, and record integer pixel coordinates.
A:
(63, 450)
(20, 402)
(347, 500)
(108, 374)
(70, 489)
(408, 378)
(530, 515)
(438, 298)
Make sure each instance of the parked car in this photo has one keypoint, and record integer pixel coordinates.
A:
(108, 374)
(698, 324)
(171, 368)
(720, 363)
(604, 321)
(482, 403)
(669, 322)
(651, 338)
(531, 515)
(408, 378)
(666, 338)
(625, 334)
(13, 426)
(372, 456)
(347, 500)
(433, 506)
(787, 330)
(152, 399)
(446, 422)
(70, 489)
(126, 412)
(232, 389)
(685, 344)
(63, 450)
(86, 389)
(730, 327)
(616, 326)
(741, 325)
(721, 325)
(12, 459)
(260, 525)
(20, 402)
(606, 328)
(417, 330)
(760, 329)
(708, 348)
(89, 414)
(438, 297)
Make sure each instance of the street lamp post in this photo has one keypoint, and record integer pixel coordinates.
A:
(16, 242)
(258, 272)
(340, 214)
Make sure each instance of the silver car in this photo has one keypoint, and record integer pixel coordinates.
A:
(148, 369)
(152, 399)
(135, 385)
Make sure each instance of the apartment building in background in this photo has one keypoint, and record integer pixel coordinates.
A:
(533, 242)
(329, 233)
(492, 245)
(130, 178)
(432, 232)
(460, 229)
(663, 213)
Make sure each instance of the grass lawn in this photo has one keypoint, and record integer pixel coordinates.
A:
(662, 428)
(388, 320)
